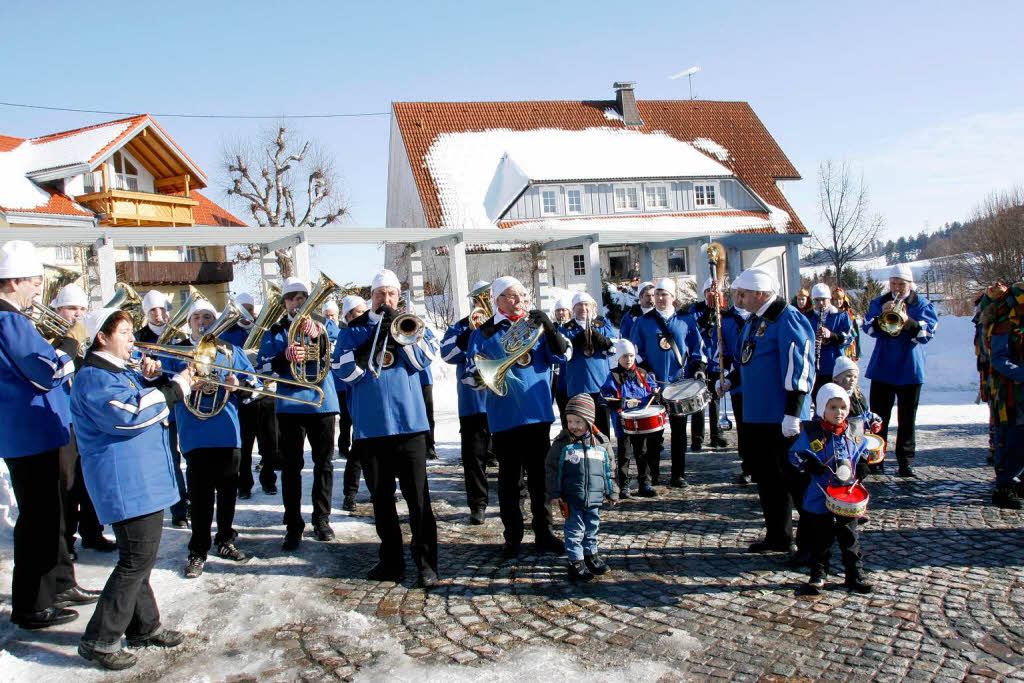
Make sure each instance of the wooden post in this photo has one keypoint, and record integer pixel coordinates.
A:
(592, 253)
(458, 279)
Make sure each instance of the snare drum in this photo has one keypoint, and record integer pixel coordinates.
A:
(685, 397)
(847, 500)
(874, 449)
(643, 420)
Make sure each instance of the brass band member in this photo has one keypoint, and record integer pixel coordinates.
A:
(591, 339)
(352, 307)
(33, 399)
(560, 372)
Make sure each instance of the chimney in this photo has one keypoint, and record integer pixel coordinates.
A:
(626, 100)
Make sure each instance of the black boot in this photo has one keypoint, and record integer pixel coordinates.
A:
(578, 571)
(596, 564)
(349, 504)
(51, 616)
(165, 638)
(115, 661)
(857, 582)
(814, 584)
(1006, 498)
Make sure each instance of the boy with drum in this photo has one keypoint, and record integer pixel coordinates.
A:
(828, 449)
(631, 388)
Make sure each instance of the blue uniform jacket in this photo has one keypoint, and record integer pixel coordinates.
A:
(625, 384)
(430, 340)
(628, 319)
(731, 323)
(388, 405)
(32, 395)
(223, 430)
(528, 400)
(271, 360)
(236, 334)
(776, 367)
(646, 335)
(333, 329)
(121, 427)
(585, 373)
(829, 448)
(453, 350)
(838, 323)
(900, 360)
(579, 473)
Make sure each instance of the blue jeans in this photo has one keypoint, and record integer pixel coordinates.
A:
(581, 532)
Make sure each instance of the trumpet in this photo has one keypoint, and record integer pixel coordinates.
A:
(893, 317)
(406, 329)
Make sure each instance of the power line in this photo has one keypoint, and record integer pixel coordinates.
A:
(198, 116)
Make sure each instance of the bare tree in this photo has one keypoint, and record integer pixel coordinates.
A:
(849, 226)
(992, 246)
(283, 182)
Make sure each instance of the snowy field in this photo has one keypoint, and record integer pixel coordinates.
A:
(230, 602)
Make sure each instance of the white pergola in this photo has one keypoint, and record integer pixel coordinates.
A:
(104, 239)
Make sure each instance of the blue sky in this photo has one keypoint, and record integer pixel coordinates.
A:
(925, 97)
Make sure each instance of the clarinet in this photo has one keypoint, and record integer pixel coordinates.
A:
(818, 338)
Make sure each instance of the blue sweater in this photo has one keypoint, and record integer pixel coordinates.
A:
(900, 360)
(586, 373)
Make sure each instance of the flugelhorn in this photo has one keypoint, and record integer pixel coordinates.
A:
(516, 343)
(892, 320)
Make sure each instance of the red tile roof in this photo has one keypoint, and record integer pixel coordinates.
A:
(7, 143)
(755, 157)
(59, 204)
(208, 213)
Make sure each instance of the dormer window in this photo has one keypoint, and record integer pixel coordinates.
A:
(574, 200)
(126, 176)
(655, 197)
(627, 198)
(705, 194)
(549, 202)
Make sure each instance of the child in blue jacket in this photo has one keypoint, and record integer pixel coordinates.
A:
(579, 478)
(828, 449)
(629, 386)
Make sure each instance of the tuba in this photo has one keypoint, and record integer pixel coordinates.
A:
(482, 310)
(516, 343)
(317, 359)
(177, 325)
(892, 320)
(50, 323)
(273, 309)
(127, 299)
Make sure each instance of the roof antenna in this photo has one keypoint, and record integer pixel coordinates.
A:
(689, 74)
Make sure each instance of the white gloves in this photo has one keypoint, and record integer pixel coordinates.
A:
(790, 425)
(722, 387)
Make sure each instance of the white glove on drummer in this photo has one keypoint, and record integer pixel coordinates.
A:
(790, 426)
(723, 386)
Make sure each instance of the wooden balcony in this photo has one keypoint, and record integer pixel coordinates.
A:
(128, 207)
(155, 273)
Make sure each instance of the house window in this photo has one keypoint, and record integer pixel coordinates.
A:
(574, 200)
(138, 254)
(65, 253)
(89, 184)
(126, 176)
(548, 202)
(188, 254)
(579, 264)
(705, 195)
(618, 265)
(655, 197)
(677, 260)
(627, 199)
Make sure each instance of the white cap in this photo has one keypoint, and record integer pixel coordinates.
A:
(821, 291)
(350, 302)
(499, 286)
(385, 278)
(565, 302)
(844, 364)
(666, 284)
(478, 284)
(708, 283)
(903, 272)
(642, 286)
(828, 392)
(330, 305)
(154, 299)
(582, 298)
(244, 299)
(292, 285)
(202, 305)
(94, 320)
(18, 259)
(71, 295)
(756, 280)
(623, 346)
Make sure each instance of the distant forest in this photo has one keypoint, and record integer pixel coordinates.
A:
(940, 242)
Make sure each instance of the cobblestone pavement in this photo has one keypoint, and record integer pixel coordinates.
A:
(948, 570)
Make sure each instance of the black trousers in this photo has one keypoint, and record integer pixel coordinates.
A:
(428, 402)
(293, 430)
(180, 509)
(79, 513)
(127, 605)
(677, 423)
(646, 450)
(42, 566)
(523, 450)
(737, 410)
(258, 421)
(906, 397)
(402, 457)
(344, 426)
(779, 486)
(561, 399)
(353, 469)
(214, 474)
(823, 530)
(697, 419)
(601, 417)
(475, 438)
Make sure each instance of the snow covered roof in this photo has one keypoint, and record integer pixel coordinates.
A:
(439, 136)
(702, 223)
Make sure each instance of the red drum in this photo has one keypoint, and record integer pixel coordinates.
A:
(643, 420)
(874, 449)
(848, 500)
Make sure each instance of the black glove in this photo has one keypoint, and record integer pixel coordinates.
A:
(912, 327)
(388, 314)
(362, 354)
(556, 342)
(815, 466)
(462, 340)
(601, 342)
